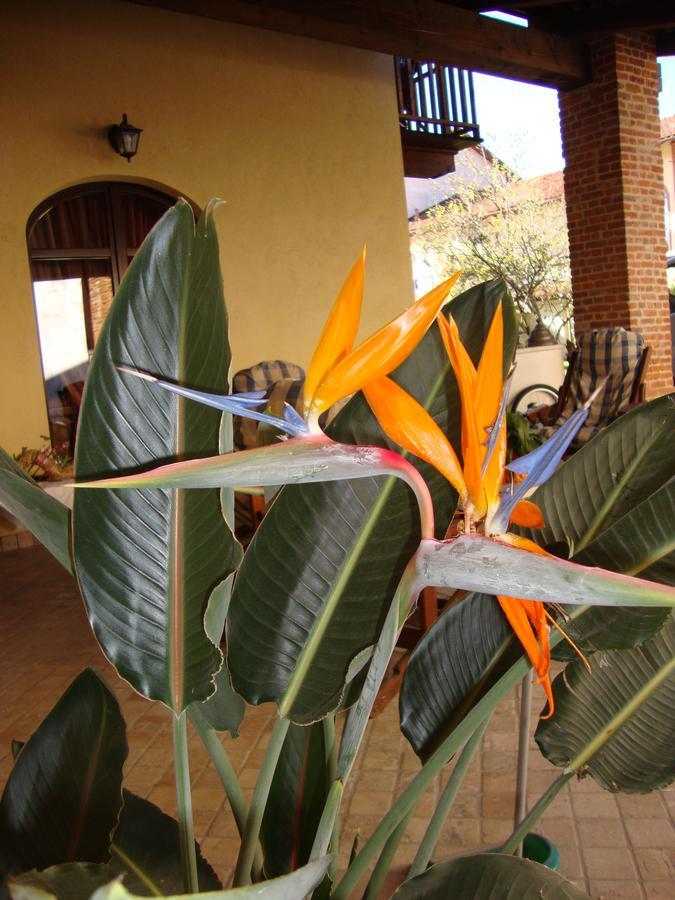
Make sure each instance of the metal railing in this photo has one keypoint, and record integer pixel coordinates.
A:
(436, 99)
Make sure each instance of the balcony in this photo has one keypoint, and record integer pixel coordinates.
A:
(437, 113)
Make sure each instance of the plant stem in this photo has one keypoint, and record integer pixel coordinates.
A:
(433, 766)
(184, 804)
(523, 752)
(330, 745)
(515, 840)
(242, 874)
(357, 719)
(384, 862)
(222, 764)
(430, 839)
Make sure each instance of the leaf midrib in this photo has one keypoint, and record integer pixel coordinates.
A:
(322, 621)
(611, 498)
(177, 523)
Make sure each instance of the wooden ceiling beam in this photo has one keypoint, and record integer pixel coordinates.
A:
(419, 29)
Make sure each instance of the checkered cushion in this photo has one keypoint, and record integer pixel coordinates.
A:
(611, 353)
(282, 380)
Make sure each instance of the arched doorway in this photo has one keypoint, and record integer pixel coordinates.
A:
(80, 243)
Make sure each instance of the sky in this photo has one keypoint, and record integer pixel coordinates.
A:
(519, 122)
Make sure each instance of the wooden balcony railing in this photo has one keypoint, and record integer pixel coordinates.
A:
(437, 112)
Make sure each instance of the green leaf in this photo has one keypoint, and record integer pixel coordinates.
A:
(609, 476)
(64, 794)
(452, 667)
(640, 543)
(634, 753)
(489, 876)
(319, 575)
(224, 710)
(145, 849)
(41, 514)
(83, 882)
(296, 800)
(145, 852)
(147, 560)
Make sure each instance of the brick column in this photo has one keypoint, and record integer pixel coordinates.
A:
(614, 196)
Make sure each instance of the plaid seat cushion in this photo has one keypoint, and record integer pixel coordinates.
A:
(282, 380)
(611, 353)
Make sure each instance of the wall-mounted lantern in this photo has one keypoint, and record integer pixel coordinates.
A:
(124, 138)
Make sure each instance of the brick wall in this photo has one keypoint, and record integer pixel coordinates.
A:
(614, 197)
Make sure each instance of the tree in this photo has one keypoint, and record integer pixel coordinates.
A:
(499, 225)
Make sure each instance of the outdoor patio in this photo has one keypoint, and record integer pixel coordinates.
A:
(611, 846)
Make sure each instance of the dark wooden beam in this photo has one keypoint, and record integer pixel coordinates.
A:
(419, 29)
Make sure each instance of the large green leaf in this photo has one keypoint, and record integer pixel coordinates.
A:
(64, 794)
(489, 876)
(145, 849)
(296, 800)
(224, 710)
(454, 664)
(84, 882)
(41, 514)
(624, 707)
(318, 577)
(620, 467)
(145, 853)
(147, 560)
(640, 543)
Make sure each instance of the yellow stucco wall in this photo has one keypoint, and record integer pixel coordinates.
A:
(299, 137)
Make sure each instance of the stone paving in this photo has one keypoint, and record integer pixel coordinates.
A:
(610, 845)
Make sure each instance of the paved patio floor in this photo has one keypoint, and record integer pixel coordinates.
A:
(610, 845)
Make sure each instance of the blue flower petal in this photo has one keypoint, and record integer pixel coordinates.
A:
(293, 418)
(237, 404)
(538, 465)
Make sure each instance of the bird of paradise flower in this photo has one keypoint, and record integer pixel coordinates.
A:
(487, 506)
(485, 556)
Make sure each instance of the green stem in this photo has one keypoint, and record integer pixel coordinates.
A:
(384, 862)
(357, 719)
(430, 839)
(184, 804)
(515, 840)
(242, 873)
(222, 764)
(330, 745)
(433, 766)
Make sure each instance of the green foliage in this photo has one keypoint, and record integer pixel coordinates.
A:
(489, 877)
(317, 606)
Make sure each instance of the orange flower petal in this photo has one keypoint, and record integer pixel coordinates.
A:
(527, 618)
(407, 423)
(489, 376)
(472, 451)
(521, 543)
(381, 353)
(528, 515)
(487, 403)
(494, 472)
(339, 332)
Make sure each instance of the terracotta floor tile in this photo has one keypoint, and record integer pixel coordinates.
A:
(602, 833)
(608, 863)
(658, 890)
(631, 890)
(650, 832)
